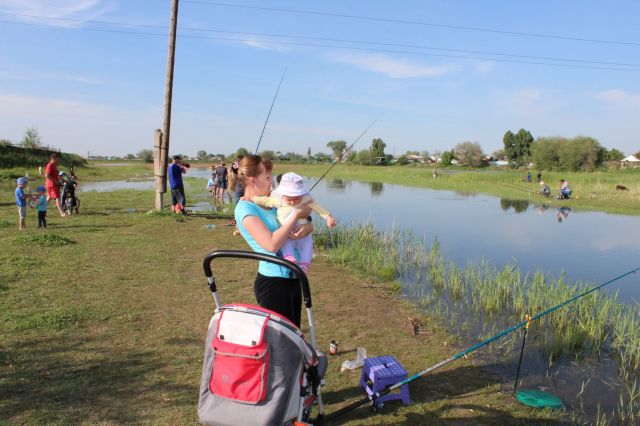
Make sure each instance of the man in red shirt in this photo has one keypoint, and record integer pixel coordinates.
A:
(52, 180)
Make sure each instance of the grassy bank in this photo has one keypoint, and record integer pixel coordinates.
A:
(592, 191)
(104, 316)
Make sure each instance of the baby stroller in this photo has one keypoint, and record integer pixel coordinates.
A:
(258, 368)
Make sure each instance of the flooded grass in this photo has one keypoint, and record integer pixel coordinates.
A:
(478, 300)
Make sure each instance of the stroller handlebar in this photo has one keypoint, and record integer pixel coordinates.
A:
(241, 254)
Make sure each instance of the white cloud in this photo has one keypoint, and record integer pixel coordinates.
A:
(483, 67)
(618, 97)
(393, 67)
(76, 10)
(263, 44)
(36, 75)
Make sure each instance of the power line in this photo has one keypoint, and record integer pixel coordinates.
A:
(410, 22)
(366, 42)
(319, 45)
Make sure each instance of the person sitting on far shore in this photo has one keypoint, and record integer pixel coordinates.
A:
(565, 190)
(544, 189)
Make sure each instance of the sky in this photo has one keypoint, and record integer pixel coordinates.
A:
(90, 74)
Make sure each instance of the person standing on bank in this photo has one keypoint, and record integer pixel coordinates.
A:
(52, 181)
(222, 176)
(273, 287)
(178, 198)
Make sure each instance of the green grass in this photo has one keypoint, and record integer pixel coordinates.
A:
(43, 240)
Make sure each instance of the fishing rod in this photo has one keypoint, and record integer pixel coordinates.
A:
(376, 395)
(519, 188)
(345, 152)
(271, 108)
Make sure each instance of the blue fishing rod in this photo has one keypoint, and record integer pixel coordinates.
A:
(345, 152)
(372, 398)
(270, 109)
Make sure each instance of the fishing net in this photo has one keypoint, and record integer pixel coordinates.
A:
(539, 399)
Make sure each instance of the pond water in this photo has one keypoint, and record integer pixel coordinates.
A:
(114, 185)
(588, 246)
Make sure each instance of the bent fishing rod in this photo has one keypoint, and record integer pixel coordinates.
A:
(345, 152)
(376, 395)
(270, 109)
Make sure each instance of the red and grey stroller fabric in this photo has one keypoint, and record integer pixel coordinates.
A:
(255, 367)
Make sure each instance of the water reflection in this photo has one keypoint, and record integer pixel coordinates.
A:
(465, 194)
(376, 188)
(339, 184)
(519, 206)
(563, 213)
(542, 208)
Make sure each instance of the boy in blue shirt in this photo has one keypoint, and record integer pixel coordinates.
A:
(21, 202)
(41, 205)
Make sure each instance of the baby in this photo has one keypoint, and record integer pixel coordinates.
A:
(292, 192)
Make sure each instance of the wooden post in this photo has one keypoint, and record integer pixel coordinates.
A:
(159, 167)
(161, 137)
(168, 85)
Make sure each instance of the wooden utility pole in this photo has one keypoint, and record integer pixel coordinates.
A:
(163, 148)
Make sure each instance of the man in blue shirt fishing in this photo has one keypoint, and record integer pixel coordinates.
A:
(178, 199)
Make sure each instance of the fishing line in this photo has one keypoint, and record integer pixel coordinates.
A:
(346, 151)
(520, 188)
(375, 396)
(270, 109)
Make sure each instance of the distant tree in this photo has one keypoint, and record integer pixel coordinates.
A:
(614, 155)
(637, 155)
(268, 154)
(469, 153)
(308, 153)
(545, 153)
(146, 155)
(321, 157)
(517, 147)
(498, 154)
(580, 153)
(425, 155)
(202, 155)
(130, 157)
(447, 157)
(5, 142)
(242, 151)
(377, 147)
(403, 160)
(337, 147)
(365, 157)
(31, 138)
